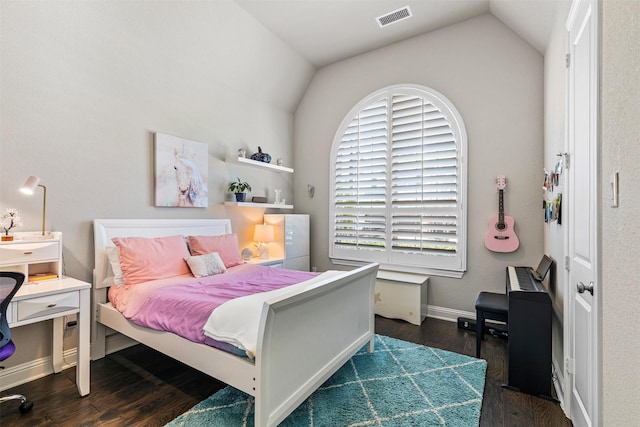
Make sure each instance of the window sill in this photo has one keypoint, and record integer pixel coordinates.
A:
(389, 270)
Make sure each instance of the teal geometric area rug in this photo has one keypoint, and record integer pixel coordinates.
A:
(399, 384)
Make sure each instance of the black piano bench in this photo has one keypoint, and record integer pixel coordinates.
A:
(492, 306)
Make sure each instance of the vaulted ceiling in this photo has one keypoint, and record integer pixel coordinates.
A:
(326, 31)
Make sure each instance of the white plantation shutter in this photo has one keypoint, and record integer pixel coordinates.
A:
(399, 181)
(361, 181)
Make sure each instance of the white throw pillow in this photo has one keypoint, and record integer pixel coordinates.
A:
(114, 261)
(206, 265)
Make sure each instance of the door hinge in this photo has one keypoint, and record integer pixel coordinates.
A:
(568, 60)
(567, 263)
(569, 365)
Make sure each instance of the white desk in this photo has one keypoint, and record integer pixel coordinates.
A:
(54, 299)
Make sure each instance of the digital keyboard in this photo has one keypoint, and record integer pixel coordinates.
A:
(529, 331)
(521, 279)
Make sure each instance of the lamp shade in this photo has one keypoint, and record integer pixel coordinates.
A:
(263, 233)
(30, 185)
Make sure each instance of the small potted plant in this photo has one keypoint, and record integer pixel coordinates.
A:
(10, 219)
(239, 187)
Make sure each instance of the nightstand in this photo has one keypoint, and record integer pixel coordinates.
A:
(46, 294)
(269, 262)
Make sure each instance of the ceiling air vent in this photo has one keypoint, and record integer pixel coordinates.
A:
(393, 17)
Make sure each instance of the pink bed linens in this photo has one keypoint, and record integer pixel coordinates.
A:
(183, 304)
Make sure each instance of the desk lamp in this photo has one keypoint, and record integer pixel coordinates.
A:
(29, 186)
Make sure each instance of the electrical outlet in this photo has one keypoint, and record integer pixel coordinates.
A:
(495, 329)
(70, 321)
(465, 323)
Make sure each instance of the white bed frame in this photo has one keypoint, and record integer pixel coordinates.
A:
(303, 339)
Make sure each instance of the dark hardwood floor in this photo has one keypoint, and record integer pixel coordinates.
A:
(140, 387)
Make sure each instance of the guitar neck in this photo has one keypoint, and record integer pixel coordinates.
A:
(500, 207)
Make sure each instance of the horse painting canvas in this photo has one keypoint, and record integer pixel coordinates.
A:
(181, 171)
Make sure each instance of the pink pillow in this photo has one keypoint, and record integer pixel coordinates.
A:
(143, 259)
(226, 245)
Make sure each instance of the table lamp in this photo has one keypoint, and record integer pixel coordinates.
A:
(263, 234)
(29, 186)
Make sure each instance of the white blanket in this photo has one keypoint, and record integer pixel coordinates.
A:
(237, 321)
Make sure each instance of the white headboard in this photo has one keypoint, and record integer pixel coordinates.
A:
(105, 229)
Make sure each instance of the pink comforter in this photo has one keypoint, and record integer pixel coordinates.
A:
(183, 304)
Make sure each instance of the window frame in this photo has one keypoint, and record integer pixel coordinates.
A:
(447, 266)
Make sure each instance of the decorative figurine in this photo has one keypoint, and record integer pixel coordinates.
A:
(11, 219)
(261, 157)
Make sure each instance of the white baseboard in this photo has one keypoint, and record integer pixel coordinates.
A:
(558, 384)
(444, 313)
(29, 371)
(35, 369)
(117, 342)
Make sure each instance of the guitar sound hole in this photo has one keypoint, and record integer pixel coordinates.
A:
(501, 227)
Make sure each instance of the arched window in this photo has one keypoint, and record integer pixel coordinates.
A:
(398, 194)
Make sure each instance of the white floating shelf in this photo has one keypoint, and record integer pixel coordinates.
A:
(274, 168)
(257, 205)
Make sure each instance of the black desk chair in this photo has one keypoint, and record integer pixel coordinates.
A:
(492, 306)
(10, 282)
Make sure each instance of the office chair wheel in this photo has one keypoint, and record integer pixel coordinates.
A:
(25, 406)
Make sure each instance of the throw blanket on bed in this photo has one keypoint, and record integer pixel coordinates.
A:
(183, 304)
(237, 321)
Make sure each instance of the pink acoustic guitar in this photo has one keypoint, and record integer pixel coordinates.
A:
(501, 236)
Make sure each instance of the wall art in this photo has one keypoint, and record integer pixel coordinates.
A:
(181, 172)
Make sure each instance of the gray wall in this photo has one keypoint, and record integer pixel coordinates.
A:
(618, 287)
(84, 86)
(495, 80)
(554, 142)
(619, 250)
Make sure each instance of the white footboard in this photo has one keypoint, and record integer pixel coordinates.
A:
(306, 338)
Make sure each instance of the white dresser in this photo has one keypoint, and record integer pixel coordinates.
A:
(292, 241)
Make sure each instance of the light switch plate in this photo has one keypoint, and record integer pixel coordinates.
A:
(614, 190)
